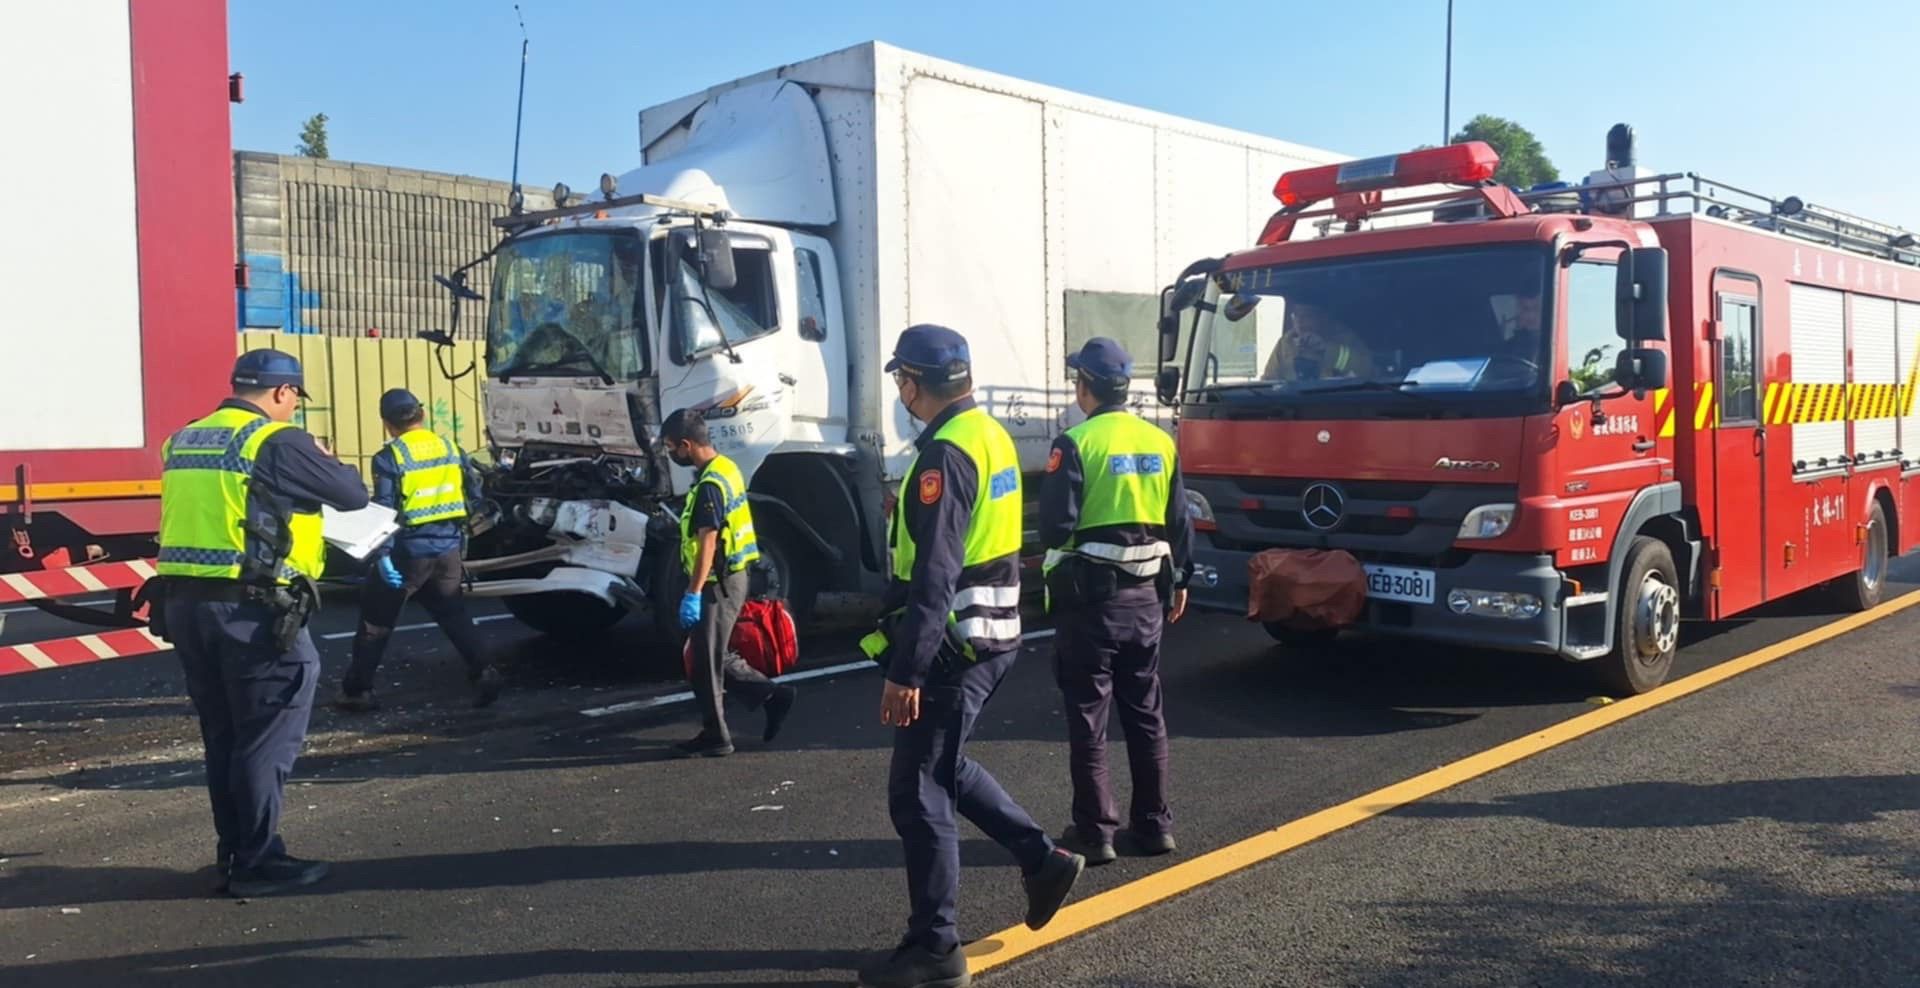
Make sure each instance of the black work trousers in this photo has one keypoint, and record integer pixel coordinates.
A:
(253, 701)
(436, 580)
(1106, 652)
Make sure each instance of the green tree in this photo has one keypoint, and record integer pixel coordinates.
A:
(313, 137)
(1523, 163)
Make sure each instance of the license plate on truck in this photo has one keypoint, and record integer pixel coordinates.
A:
(1415, 586)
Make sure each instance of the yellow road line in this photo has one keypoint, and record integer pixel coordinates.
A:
(1010, 944)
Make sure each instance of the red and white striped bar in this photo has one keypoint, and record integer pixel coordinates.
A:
(45, 584)
(79, 650)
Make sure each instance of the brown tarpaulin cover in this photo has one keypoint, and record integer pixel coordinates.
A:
(1306, 589)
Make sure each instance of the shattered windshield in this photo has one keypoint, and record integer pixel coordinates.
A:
(1462, 320)
(563, 304)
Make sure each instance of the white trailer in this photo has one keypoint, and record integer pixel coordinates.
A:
(859, 192)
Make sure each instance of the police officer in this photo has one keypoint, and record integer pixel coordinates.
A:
(429, 481)
(953, 632)
(240, 498)
(1113, 517)
(717, 545)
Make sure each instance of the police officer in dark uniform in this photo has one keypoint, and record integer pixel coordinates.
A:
(951, 634)
(240, 498)
(428, 481)
(1113, 516)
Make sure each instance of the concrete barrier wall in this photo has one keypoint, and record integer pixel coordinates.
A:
(340, 248)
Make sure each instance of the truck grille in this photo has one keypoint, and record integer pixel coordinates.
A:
(1378, 521)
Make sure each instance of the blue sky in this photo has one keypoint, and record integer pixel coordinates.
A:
(1814, 100)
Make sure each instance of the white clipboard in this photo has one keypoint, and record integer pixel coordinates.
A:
(359, 533)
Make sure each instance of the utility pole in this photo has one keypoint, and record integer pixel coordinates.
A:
(1446, 112)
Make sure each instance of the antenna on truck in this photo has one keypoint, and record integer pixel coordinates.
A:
(516, 201)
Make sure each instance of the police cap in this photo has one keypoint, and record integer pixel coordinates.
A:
(934, 354)
(1102, 359)
(398, 406)
(262, 369)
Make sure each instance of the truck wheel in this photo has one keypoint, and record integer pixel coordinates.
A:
(568, 616)
(1868, 586)
(790, 568)
(1646, 631)
(1300, 638)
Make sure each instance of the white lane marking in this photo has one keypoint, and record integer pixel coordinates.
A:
(669, 699)
(482, 619)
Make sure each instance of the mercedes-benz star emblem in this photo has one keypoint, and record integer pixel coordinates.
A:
(1322, 506)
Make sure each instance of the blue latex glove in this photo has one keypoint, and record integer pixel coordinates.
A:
(389, 575)
(690, 607)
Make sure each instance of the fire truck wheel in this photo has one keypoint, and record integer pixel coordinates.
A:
(1298, 638)
(1865, 588)
(1646, 633)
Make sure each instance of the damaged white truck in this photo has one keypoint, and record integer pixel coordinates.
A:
(782, 231)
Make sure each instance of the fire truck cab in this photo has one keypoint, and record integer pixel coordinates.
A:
(1556, 421)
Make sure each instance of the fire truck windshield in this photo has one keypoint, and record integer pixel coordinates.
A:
(1422, 325)
(563, 305)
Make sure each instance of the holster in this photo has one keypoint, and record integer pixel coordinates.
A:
(1077, 582)
(878, 645)
(153, 595)
(292, 606)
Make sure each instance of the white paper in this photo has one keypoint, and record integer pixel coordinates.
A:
(1448, 375)
(358, 533)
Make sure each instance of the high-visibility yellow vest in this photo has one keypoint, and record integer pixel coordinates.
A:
(987, 611)
(1128, 467)
(739, 547)
(207, 470)
(433, 482)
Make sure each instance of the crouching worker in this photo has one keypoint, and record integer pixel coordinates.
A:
(716, 548)
(429, 482)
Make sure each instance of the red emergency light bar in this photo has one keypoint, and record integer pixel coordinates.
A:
(1468, 163)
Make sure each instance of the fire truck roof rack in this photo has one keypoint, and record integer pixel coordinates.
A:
(1681, 193)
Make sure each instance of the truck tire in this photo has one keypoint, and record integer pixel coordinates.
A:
(1868, 585)
(1646, 632)
(1299, 638)
(573, 617)
(790, 569)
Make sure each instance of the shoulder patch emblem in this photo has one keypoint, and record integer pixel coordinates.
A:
(1053, 460)
(930, 485)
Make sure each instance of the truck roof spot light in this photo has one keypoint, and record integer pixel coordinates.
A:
(1467, 163)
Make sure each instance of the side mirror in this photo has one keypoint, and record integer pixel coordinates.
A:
(1641, 369)
(1166, 384)
(716, 260)
(1640, 294)
(436, 337)
(1565, 393)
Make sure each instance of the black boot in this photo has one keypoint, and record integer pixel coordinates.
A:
(779, 705)
(486, 686)
(704, 745)
(911, 965)
(280, 873)
(1096, 852)
(1048, 887)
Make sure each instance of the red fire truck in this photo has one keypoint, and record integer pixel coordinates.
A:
(1558, 421)
(120, 310)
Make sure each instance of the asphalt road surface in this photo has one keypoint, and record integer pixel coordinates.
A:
(1765, 831)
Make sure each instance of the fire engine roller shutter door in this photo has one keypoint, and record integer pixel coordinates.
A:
(70, 266)
(1909, 354)
(1817, 407)
(1876, 368)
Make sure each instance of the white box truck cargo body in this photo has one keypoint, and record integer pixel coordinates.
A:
(850, 196)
